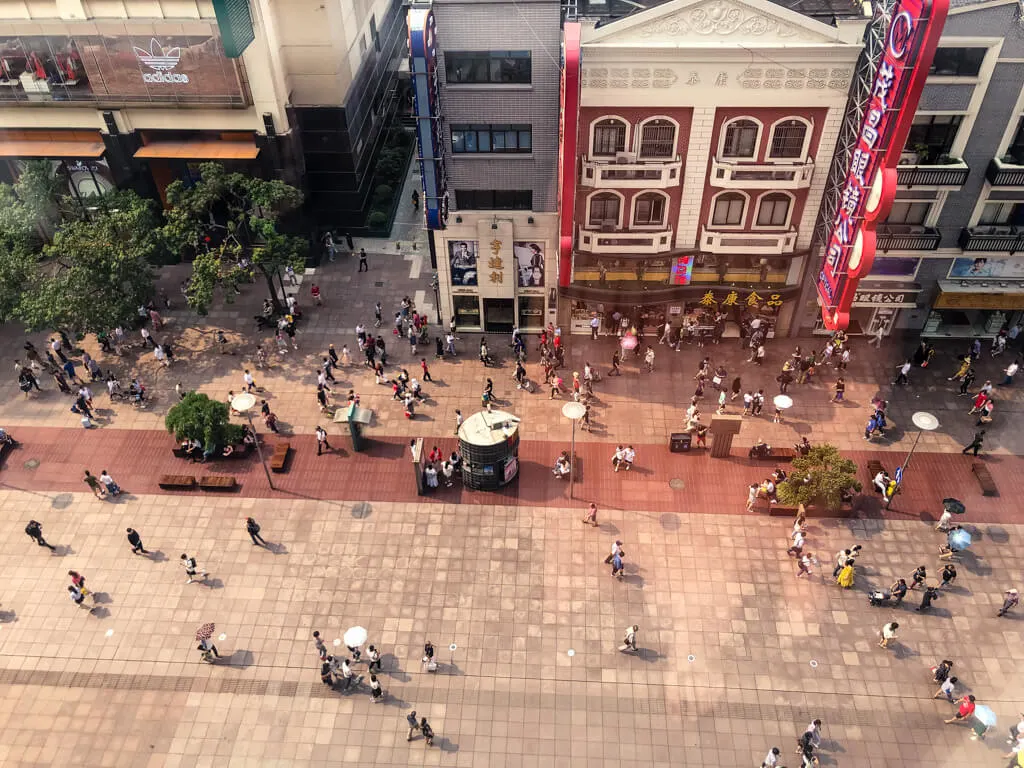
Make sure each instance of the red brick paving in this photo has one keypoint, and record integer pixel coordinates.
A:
(136, 459)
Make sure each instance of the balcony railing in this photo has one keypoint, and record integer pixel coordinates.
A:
(626, 173)
(908, 238)
(1005, 173)
(591, 241)
(777, 175)
(998, 238)
(953, 175)
(748, 242)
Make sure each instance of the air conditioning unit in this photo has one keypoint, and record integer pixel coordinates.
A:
(625, 157)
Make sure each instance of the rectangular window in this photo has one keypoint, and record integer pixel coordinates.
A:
(609, 139)
(494, 199)
(1007, 212)
(957, 62)
(908, 213)
(894, 267)
(495, 139)
(773, 212)
(604, 211)
(1016, 149)
(658, 140)
(650, 210)
(788, 140)
(932, 136)
(496, 67)
(728, 211)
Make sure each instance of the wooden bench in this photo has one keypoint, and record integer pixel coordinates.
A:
(874, 467)
(280, 457)
(217, 483)
(776, 454)
(177, 482)
(761, 506)
(988, 485)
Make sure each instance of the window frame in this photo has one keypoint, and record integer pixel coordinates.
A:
(910, 205)
(774, 197)
(1011, 206)
(596, 125)
(618, 196)
(1018, 142)
(956, 67)
(743, 196)
(665, 202)
(946, 146)
(724, 137)
(463, 133)
(804, 142)
(478, 66)
(673, 144)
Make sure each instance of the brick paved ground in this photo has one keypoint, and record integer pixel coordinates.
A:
(513, 579)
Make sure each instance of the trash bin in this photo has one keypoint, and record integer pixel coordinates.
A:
(679, 442)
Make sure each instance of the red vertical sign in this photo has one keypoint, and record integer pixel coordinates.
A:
(568, 127)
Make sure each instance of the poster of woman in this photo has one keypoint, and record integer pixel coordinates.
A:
(1012, 268)
(530, 264)
(462, 259)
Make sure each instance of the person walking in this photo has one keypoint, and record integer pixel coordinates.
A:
(414, 724)
(34, 530)
(976, 443)
(253, 529)
(649, 359)
(458, 421)
(321, 440)
(629, 638)
(1010, 600)
(888, 634)
(191, 569)
(903, 377)
(804, 563)
(967, 380)
(363, 266)
(616, 360)
(94, 485)
(112, 488)
(590, 518)
(1011, 371)
(918, 576)
(948, 575)
(373, 656)
(617, 565)
(965, 709)
(930, 595)
(426, 370)
(136, 541)
(840, 390)
(771, 760)
(427, 731)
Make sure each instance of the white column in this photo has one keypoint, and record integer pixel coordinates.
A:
(822, 162)
(698, 155)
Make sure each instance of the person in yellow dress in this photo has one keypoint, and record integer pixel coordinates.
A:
(845, 577)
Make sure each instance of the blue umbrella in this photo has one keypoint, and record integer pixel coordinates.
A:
(959, 540)
(985, 715)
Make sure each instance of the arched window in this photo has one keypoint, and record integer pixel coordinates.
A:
(773, 210)
(658, 139)
(729, 209)
(609, 137)
(649, 209)
(788, 139)
(604, 210)
(740, 139)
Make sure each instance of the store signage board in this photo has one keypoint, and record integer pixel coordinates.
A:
(427, 107)
(235, 21)
(911, 37)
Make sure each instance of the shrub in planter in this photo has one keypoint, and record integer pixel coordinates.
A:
(382, 194)
(376, 219)
(391, 164)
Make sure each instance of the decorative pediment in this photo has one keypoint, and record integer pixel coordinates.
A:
(710, 22)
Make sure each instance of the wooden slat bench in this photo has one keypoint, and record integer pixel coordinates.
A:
(874, 467)
(776, 454)
(177, 482)
(988, 485)
(217, 483)
(762, 507)
(280, 457)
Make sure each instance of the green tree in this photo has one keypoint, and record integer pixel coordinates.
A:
(19, 251)
(229, 223)
(97, 271)
(197, 417)
(821, 477)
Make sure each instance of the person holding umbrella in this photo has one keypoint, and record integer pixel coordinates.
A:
(208, 650)
(354, 638)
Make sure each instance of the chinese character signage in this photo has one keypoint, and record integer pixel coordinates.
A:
(462, 260)
(427, 108)
(682, 270)
(873, 298)
(910, 40)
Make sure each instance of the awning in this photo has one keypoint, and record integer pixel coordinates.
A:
(199, 150)
(36, 148)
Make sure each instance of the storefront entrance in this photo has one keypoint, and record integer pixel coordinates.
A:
(531, 313)
(499, 315)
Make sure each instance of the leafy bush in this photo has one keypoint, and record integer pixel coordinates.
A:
(391, 164)
(377, 219)
(382, 195)
(821, 477)
(197, 417)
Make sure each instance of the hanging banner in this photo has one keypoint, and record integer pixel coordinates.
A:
(911, 37)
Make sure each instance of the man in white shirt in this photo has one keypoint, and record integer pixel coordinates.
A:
(772, 759)
(616, 549)
(1011, 371)
(617, 457)
(595, 325)
(628, 456)
(944, 520)
(947, 690)
(888, 634)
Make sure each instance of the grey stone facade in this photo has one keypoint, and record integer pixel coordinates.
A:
(533, 25)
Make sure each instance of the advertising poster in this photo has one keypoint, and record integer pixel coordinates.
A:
(1011, 268)
(530, 264)
(462, 260)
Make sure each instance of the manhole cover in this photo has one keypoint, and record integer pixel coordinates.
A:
(676, 484)
(31, 464)
(361, 510)
(62, 501)
(378, 285)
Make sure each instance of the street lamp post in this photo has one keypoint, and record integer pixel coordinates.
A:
(574, 412)
(244, 403)
(925, 422)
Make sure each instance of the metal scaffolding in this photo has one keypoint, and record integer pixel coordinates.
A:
(856, 104)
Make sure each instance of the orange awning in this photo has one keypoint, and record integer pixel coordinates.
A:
(199, 150)
(35, 148)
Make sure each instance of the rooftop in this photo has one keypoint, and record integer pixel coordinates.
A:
(610, 10)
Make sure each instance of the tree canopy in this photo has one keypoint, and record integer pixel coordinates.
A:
(197, 417)
(229, 223)
(821, 477)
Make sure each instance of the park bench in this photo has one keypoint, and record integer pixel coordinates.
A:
(988, 485)
(280, 457)
(217, 483)
(177, 482)
(777, 454)
(874, 467)
(761, 506)
(239, 452)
